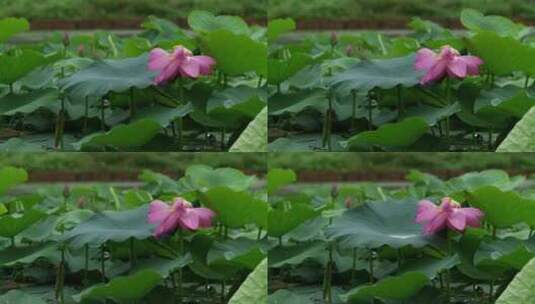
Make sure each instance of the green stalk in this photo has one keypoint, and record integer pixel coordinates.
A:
(371, 270)
(526, 83)
(102, 115)
(259, 236)
(60, 278)
(132, 103)
(330, 123)
(370, 113)
(179, 274)
(180, 120)
(400, 102)
(354, 268)
(448, 101)
(86, 266)
(180, 127)
(60, 123)
(132, 253)
(223, 145)
(327, 279)
(491, 291)
(223, 291)
(13, 241)
(116, 201)
(354, 110)
(86, 114)
(490, 140)
(448, 275)
(102, 262)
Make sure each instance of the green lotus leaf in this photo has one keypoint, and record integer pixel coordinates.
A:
(376, 224)
(110, 75)
(116, 226)
(254, 289)
(390, 137)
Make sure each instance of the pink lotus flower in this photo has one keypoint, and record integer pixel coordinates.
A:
(180, 63)
(180, 215)
(448, 63)
(448, 215)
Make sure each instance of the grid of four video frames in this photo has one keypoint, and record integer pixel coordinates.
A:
(267, 152)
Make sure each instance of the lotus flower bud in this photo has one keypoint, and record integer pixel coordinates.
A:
(66, 39)
(350, 51)
(348, 202)
(334, 39)
(334, 191)
(81, 50)
(81, 202)
(66, 191)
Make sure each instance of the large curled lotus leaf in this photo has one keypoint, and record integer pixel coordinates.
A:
(289, 216)
(278, 27)
(30, 102)
(522, 137)
(134, 286)
(236, 54)
(236, 208)
(476, 21)
(163, 115)
(509, 100)
(254, 288)
(13, 224)
(280, 104)
(254, 138)
(390, 137)
(29, 254)
(121, 137)
(110, 75)
(283, 69)
(297, 254)
(503, 55)
(432, 115)
(503, 209)
(502, 253)
(380, 73)
(11, 176)
(398, 287)
(278, 178)
(522, 288)
(205, 22)
(204, 178)
(116, 226)
(431, 267)
(20, 297)
(242, 100)
(377, 224)
(9, 27)
(19, 64)
(240, 252)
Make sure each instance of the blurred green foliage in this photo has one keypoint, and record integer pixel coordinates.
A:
(130, 162)
(111, 9)
(385, 162)
(383, 9)
(310, 9)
